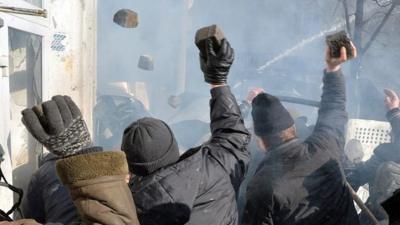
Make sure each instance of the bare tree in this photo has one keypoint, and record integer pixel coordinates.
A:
(360, 23)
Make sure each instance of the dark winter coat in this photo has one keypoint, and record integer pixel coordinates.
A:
(302, 182)
(47, 200)
(201, 187)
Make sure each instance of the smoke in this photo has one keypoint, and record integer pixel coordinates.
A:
(279, 45)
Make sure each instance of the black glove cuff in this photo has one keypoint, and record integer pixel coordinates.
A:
(215, 79)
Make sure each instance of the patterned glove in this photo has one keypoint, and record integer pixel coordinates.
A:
(58, 125)
(215, 66)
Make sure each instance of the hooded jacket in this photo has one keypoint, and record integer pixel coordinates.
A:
(302, 182)
(201, 187)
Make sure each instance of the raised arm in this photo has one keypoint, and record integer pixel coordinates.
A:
(229, 137)
(332, 115)
(365, 172)
(227, 126)
(245, 105)
(98, 190)
(392, 103)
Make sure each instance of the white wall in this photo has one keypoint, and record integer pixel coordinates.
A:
(73, 71)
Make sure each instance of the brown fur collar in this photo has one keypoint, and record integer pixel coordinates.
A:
(90, 166)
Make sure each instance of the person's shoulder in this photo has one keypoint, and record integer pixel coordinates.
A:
(191, 154)
(166, 184)
(189, 162)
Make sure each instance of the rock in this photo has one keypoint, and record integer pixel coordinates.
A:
(126, 18)
(146, 62)
(213, 32)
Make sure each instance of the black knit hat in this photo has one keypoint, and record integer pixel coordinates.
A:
(269, 115)
(149, 145)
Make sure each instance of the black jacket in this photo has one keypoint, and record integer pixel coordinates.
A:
(47, 200)
(201, 187)
(302, 182)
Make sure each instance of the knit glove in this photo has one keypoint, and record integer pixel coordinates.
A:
(215, 66)
(58, 125)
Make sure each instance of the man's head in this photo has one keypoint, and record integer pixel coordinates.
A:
(272, 122)
(149, 145)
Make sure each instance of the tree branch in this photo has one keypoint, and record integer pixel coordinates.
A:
(347, 16)
(378, 29)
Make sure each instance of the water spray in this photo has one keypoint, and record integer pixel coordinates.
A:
(303, 43)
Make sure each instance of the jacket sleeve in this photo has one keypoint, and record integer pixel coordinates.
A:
(33, 204)
(229, 136)
(332, 116)
(393, 116)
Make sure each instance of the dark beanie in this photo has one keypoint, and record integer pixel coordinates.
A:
(149, 145)
(269, 115)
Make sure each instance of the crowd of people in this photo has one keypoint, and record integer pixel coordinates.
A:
(295, 181)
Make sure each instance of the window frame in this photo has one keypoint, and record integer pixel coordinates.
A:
(32, 24)
(32, 19)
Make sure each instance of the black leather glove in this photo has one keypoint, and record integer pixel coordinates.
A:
(215, 66)
(58, 125)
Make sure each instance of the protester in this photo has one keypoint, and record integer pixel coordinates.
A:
(201, 186)
(46, 199)
(301, 182)
(381, 171)
(365, 172)
(99, 190)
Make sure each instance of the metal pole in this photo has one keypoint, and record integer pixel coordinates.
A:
(300, 101)
(361, 204)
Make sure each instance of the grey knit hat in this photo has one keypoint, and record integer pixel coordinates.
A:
(149, 145)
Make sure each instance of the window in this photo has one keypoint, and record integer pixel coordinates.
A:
(24, 62)
(25, 87)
